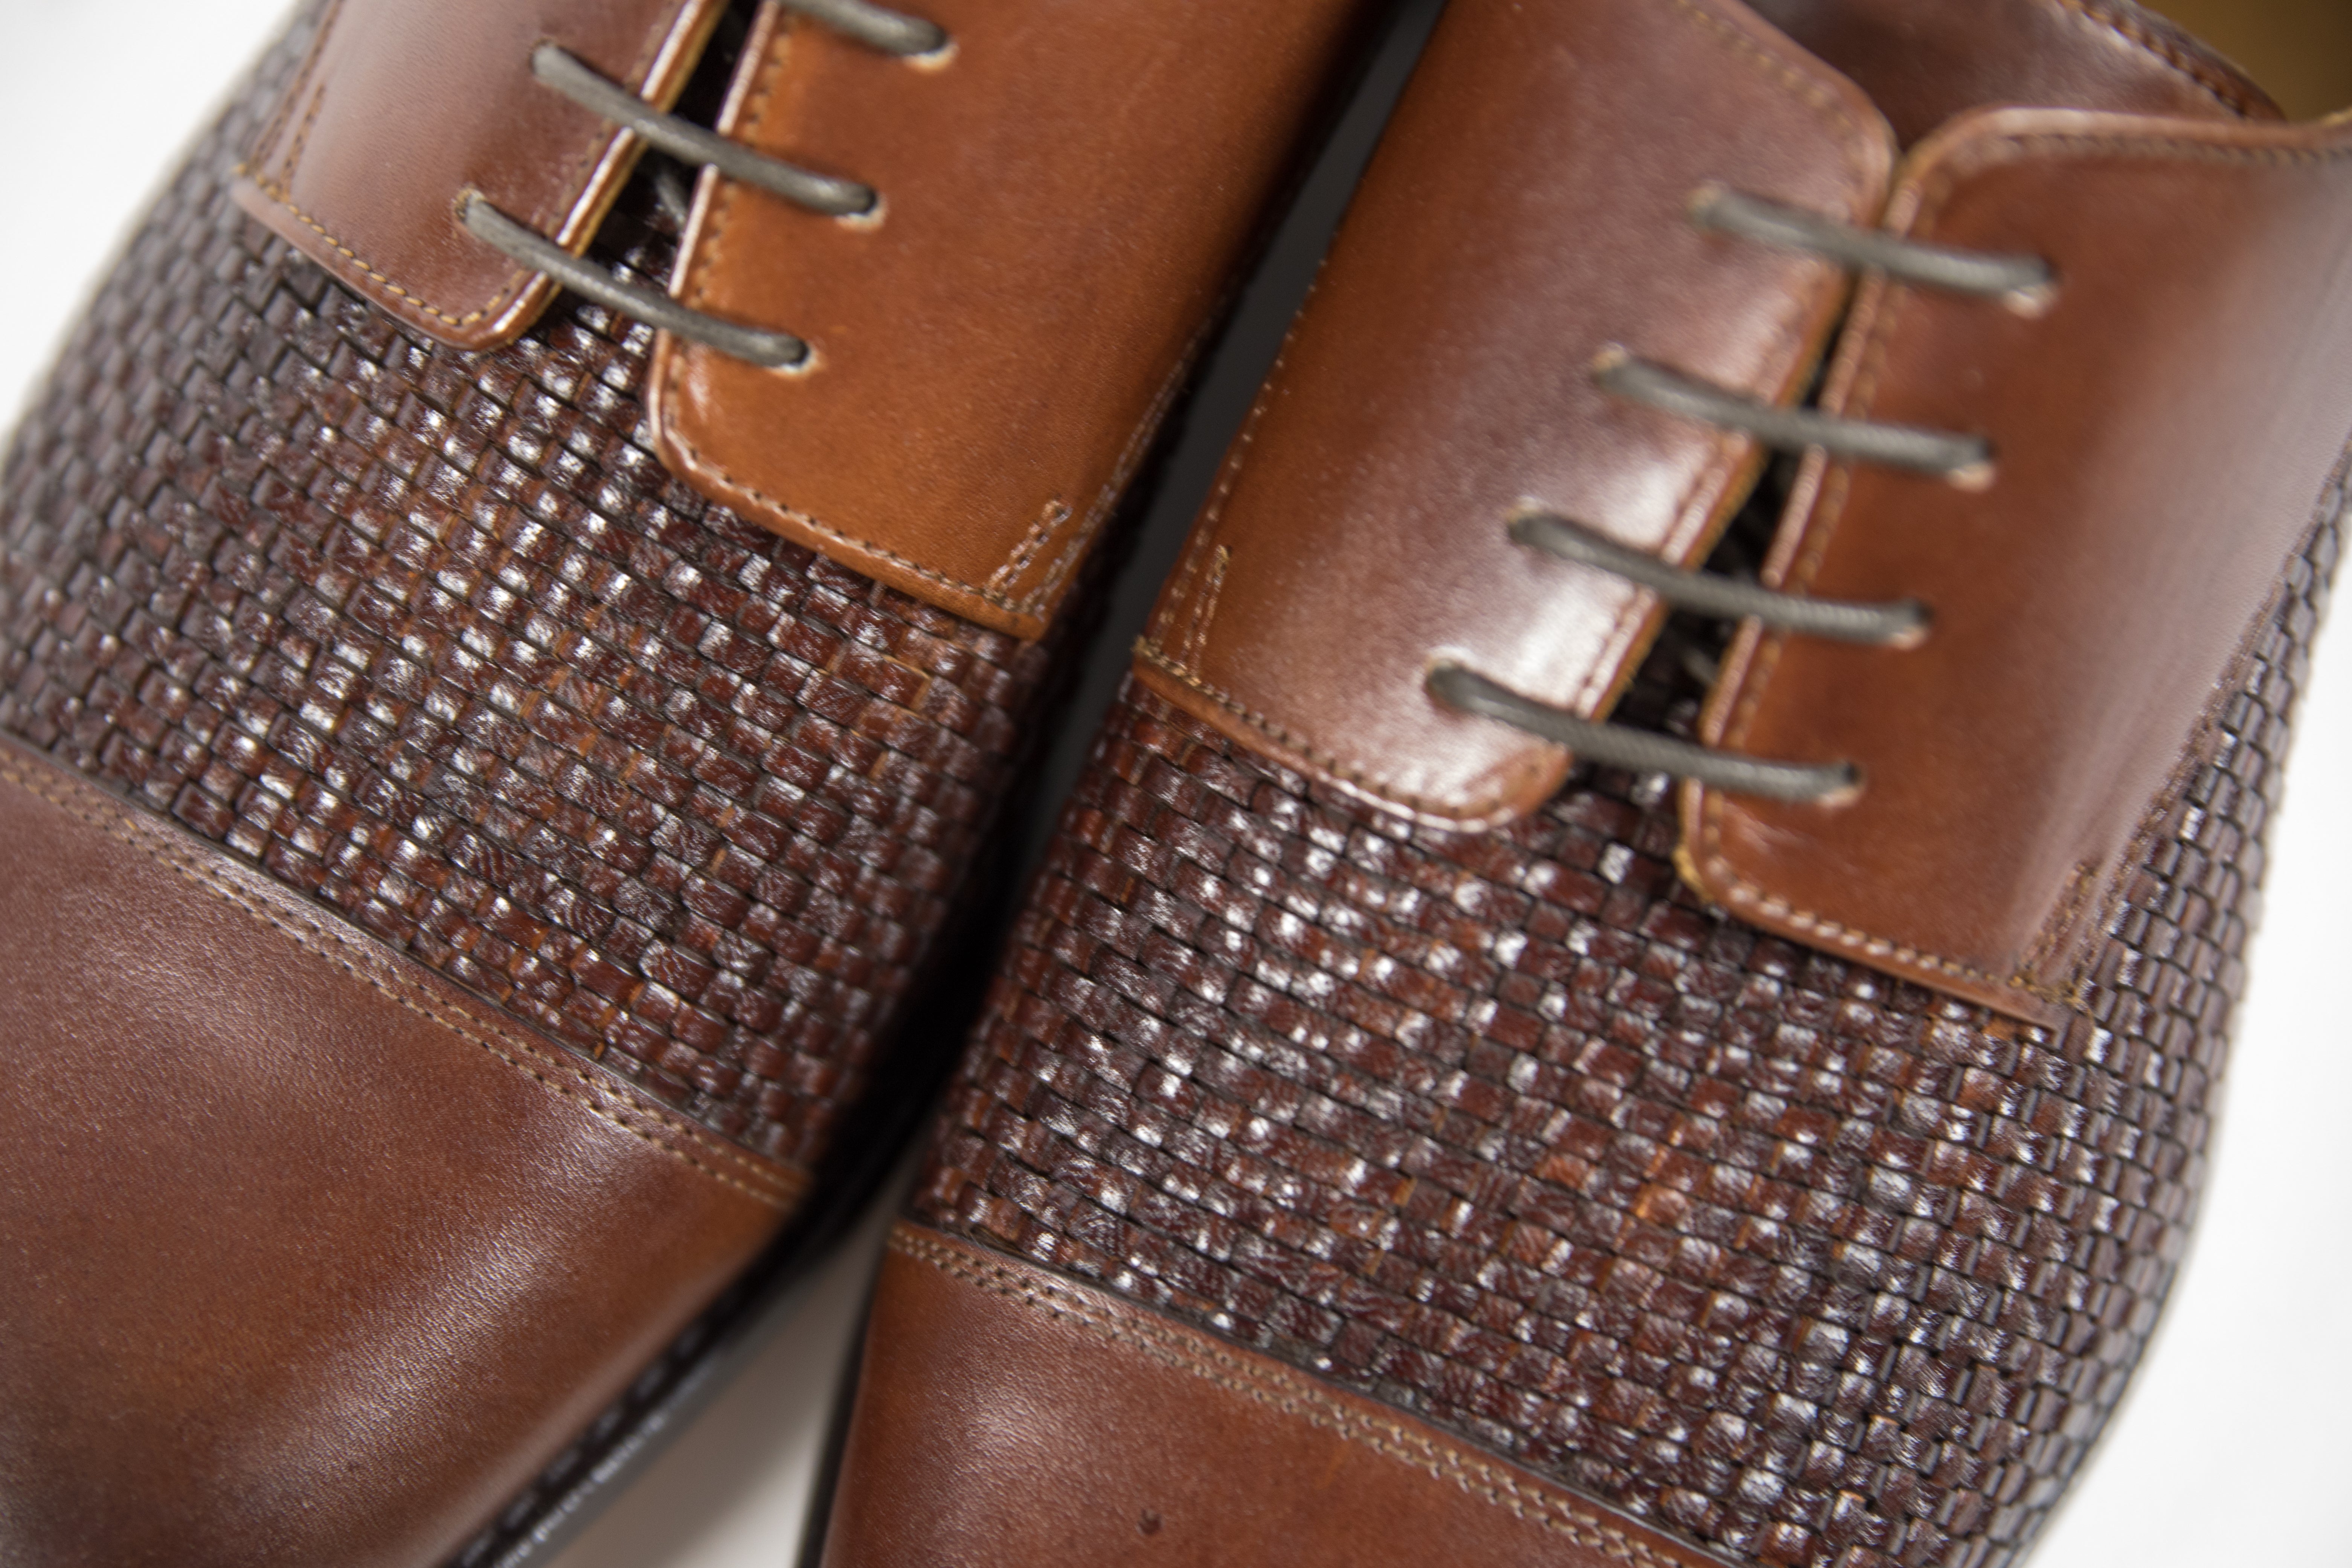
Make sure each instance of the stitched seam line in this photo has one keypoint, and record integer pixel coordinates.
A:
(1150, 652)
(1854, 133)
(712, 243)
(1204, 608)
(282, 191)
(302, 136)
(1639, 604)
(1821, 527)
(1293, 1395)
(282, 194)
(2166, 53)
(1198, 544)
(1054, 513)
(1138, 442)
(301, 82)
(774, 1189)
(1039, 533)
(692, 455)
(722, 212)
(1831, 106)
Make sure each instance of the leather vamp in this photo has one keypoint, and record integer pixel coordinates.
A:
(403, 107)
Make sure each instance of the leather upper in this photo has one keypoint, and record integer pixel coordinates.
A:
(310, 1256)
(1924, 64)
(1526, 213)
(1009, 1416)
(1065, 194)
(404, 106)
(2165, 437)
(2164, 433)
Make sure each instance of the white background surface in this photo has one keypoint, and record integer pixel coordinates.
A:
(2235, 1445)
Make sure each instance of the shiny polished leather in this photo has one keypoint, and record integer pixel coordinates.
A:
(406, 105)
(1531, 171)
(2165, 438)
(1525, 211)
(2084, 608)
(311, 1258)
(1063, 200)
(1008, 1416)
(1924, 64)
(1511, 1131)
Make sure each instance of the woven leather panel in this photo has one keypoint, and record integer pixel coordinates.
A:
(434, 637)
(1512, 1132)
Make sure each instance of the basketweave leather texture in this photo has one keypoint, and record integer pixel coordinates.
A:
(1811, 1265)
(434, 638)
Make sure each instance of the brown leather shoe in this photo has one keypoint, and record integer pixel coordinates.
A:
(1427, 1116)
(484, 780)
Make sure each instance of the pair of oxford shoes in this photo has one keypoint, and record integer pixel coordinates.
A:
(488, 780)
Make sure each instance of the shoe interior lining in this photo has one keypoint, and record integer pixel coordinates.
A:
(2299, 51)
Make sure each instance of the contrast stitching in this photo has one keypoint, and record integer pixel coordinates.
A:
(713, 245)
(294, 90)
(1288, 1393)
(1138, 442)
(776, 1189)
(1054, 513)
(754, 114)
(1204, 608)
(1197, 547)
(294, 149)
(693, 457)
(282, 194)
(1884, 311)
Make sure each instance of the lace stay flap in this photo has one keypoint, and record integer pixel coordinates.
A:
(2160, 434)
(1527, 221)
(405, 108)
(1060, 197)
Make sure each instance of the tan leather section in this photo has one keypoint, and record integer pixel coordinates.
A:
(2299, 49)
(1924, 61)
(1009, 1416)
(310, 1258)
(406, 105)
(1527, 208)
(1063, 199)
(2161, 438)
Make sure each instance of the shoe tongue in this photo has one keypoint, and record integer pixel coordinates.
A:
(1926, 61)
